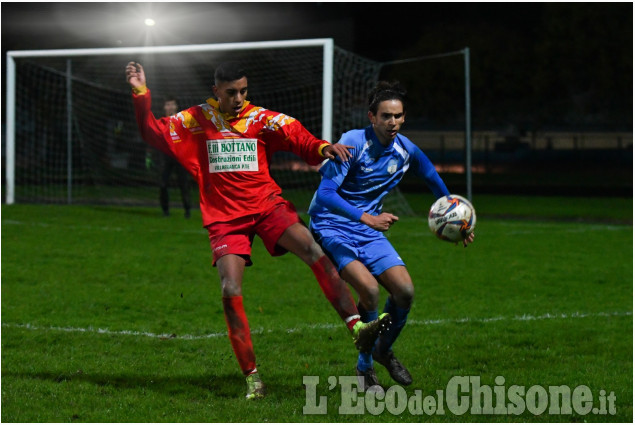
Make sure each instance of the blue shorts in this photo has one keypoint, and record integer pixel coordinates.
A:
(376, 252)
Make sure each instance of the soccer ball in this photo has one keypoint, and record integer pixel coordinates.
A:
(452, 218)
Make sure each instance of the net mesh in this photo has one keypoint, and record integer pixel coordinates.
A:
(103, 161)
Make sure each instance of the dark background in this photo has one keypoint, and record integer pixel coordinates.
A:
(536, 65)
(535, 68)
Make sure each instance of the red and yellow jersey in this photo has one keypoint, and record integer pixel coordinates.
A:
(228, 157)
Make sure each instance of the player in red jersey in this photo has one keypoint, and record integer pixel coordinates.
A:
(226, 144)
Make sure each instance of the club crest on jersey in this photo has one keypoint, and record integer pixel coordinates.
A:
(392, 166)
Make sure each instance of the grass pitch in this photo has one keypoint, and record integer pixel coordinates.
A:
(113, 314)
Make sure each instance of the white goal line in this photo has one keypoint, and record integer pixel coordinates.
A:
(259, 331)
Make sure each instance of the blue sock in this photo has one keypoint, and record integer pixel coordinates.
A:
(365, 360)
(399, 316)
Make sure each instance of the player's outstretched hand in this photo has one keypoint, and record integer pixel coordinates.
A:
(469, 239)
(381, 222)
(135, 75)
(337, 150)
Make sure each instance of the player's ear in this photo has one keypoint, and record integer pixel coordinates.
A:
(371, 117)
(215, 90)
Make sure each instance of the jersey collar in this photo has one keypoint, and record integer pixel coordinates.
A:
(214, 104)
(376, 145)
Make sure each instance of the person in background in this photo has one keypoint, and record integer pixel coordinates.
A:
(168, 166)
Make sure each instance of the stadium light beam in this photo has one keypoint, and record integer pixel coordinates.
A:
(150, 22)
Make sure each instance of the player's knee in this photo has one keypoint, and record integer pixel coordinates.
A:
(404, 295)
(230, 287)
(310, 251)
(369, 297)
(298, 240)
(315, 251)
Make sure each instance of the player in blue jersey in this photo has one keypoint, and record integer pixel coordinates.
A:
(347, 220)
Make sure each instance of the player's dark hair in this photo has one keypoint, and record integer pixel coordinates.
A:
(229, 71)
(385, 90)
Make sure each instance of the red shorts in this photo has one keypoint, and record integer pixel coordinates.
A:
(236, 236)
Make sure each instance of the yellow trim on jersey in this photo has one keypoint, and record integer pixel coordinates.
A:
(214, 103)
(321, 148)
(221, 120)
(141, 90)
(188, 120)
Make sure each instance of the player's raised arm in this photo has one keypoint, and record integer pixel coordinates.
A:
(155, 132)
(135, 75)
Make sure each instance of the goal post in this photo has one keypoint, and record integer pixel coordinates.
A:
(10, 136)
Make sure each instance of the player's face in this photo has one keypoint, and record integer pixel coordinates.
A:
(388, 120)
(231, 96)
(170, 108)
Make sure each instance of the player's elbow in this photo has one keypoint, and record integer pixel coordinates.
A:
(321, 199)
(325, 193)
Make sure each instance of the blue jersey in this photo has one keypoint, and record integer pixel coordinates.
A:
(348, 189)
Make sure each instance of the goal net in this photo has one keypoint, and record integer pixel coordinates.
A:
(74, 135)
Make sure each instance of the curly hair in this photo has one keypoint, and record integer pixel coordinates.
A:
(385, 90)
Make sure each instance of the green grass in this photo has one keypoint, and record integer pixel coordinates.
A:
(113, 314)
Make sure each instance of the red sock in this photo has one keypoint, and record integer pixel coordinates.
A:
(336, 290)
(239, 335)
